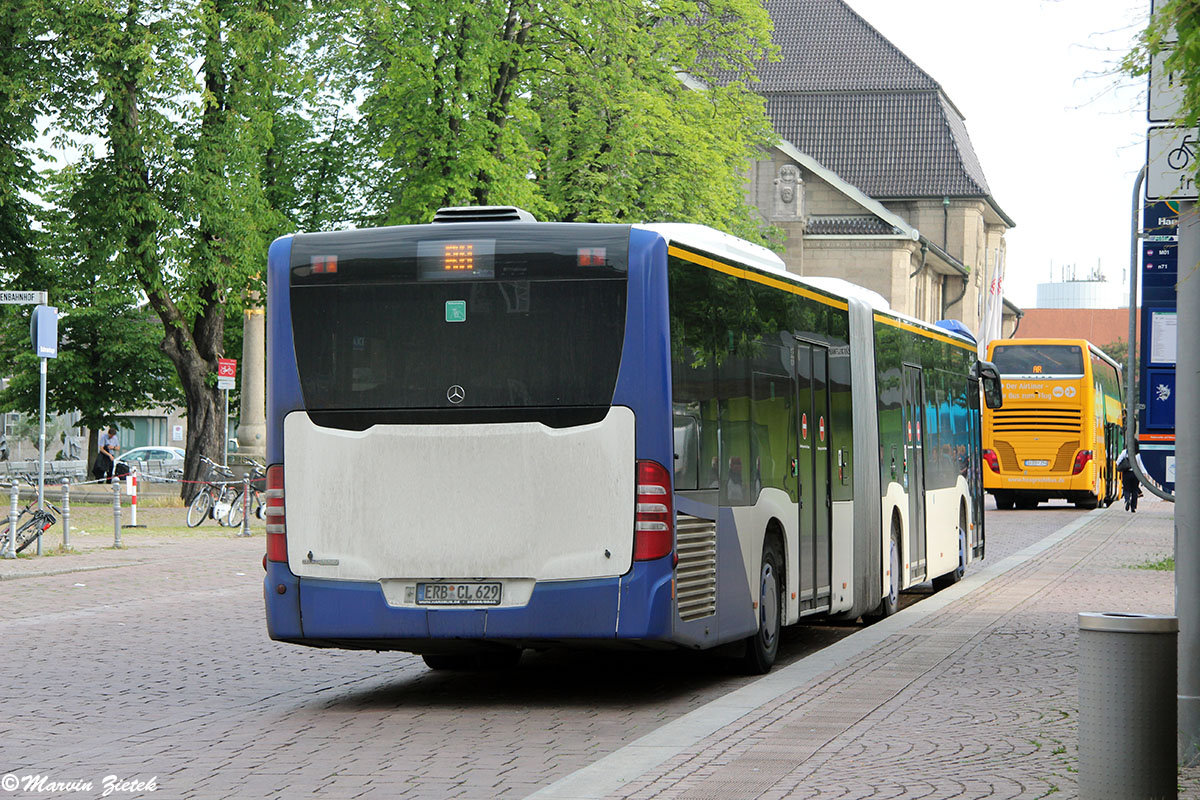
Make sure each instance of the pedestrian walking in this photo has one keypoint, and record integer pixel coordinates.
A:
(1131, 487)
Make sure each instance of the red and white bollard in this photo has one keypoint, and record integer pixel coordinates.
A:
(131, 488)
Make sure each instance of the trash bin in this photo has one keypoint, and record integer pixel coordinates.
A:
(1127, 706)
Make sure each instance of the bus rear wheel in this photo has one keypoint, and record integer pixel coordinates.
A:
(763, 647)
(491, 659)
(891, 601)
(1004, 501)
(951, 578)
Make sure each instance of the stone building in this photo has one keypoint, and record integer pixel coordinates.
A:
(875, 179)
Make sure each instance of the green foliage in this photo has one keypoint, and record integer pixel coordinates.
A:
(109, 360)
(573, 110)
(206, 128)
(24, 72)
(1174, 27)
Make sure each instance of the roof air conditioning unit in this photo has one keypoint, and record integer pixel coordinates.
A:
(483, 214)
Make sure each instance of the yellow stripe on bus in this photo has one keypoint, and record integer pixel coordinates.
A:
(765, 280)
(895, 323)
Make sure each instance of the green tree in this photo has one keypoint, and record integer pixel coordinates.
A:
(182, 95)
(107, 362)
(1175, 28)
(109, 359)
(587, 111)
(25, 68)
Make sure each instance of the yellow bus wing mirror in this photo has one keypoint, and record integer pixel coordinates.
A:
(989, 376)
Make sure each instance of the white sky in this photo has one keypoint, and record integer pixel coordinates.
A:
(1060, 136)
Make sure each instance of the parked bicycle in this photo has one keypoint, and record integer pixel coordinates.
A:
(30, 529)
(215, 498)
(258, 487)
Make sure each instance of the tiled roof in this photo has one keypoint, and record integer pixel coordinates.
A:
(845, 94)
(890, 145)
(848, 225)
(826, 47)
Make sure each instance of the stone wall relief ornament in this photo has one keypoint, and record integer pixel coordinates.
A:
(787, 192)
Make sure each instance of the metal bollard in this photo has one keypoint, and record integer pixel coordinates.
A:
(116, 514)
(10, 543)
(245, 531)
(1127, 706)
(66, 513)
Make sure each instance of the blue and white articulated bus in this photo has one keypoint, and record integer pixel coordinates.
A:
(489, 433)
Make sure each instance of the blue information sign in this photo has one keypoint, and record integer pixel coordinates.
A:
(1156, 355)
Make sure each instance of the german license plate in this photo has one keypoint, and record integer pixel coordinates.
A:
(463, 593)
(1037, 462)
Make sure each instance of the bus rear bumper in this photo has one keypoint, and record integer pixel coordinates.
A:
(356, 614)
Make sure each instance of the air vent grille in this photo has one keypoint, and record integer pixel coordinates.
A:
(696, 572)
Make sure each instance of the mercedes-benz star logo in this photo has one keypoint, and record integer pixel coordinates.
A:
(455, 394)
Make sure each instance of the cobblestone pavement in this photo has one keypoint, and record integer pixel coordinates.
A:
(978, 700)
(154, 663)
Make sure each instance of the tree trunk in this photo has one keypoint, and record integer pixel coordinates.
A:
(206, 423)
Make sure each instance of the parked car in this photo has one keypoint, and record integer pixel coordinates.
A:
(154, 463)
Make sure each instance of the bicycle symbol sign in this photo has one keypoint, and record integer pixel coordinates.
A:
(1171, 160)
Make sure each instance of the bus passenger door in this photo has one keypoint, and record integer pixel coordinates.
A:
(975, 469)
(812, 406)
(913, 478)
(822, 478)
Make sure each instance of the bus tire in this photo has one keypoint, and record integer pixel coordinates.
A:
(1087, 502)
(956, 575)
(891, 601)
(1004, 501)
(499, 658)
(445, 661)
(763, 647)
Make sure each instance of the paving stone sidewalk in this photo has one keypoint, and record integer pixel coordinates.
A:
(978, 699)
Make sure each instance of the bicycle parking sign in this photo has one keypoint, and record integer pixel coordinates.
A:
(226, 373)
(1171, 156)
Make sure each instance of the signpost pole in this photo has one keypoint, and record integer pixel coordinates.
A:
(41, 446)
(225, 434)
(1187, 468)
(43, 331)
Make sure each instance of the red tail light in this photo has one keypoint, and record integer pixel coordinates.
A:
(990, 457)
(1081, 460)
(276, 519)
(654, 519)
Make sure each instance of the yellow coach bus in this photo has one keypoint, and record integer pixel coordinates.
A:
(1060, 430)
